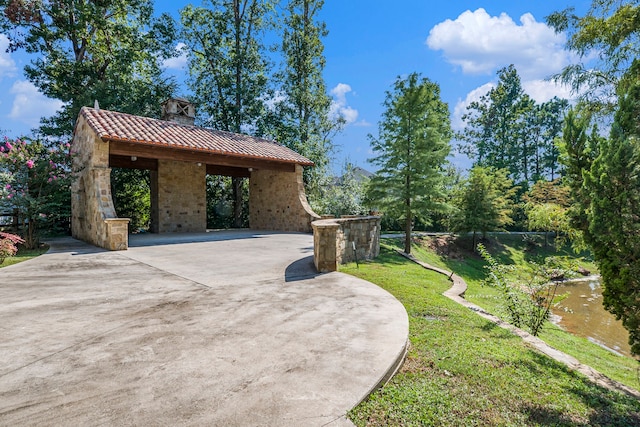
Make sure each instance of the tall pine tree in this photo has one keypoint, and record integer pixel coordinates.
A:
(411, 151)
(604, 176)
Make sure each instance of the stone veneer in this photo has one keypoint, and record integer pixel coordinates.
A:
(333, 241)
(93, 216)
(178, 198)
(277, 201)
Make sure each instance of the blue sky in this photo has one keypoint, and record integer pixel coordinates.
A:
(458, 44)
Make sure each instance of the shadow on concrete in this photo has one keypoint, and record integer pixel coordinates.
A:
(153, 239)
(71, 245)
(301, 269)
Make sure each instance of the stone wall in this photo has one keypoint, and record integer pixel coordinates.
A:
(93, 216)
(178, 198)
(334, 239)
(277, 201)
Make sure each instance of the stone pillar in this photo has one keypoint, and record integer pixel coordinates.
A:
(179, 198)
(334, 241)
(93, 215)
(325, 245)
(277, 201)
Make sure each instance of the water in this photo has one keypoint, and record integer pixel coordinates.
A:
(582, 314)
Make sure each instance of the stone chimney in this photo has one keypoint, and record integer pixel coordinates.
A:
(179, 110)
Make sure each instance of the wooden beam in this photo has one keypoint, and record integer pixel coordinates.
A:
(117, 161)
(119, 148)
(228, 171)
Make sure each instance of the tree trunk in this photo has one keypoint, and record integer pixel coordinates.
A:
(407, 234)
(237, 202)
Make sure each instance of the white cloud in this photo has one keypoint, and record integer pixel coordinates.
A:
(480, 43)
(178, 62)
(29, 105)
(7, 64)
(461, 106)
(339, 105)
(544, 90)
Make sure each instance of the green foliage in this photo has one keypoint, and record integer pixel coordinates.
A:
(527, 304)
(343, 195)
(227, 68)
(35, 183)
(548, 192)
(604, 176)
(484, 202)
(107, 51)
(227, 62)
(411, 152)
(132, 197)
(301, 118)
(611, 30)
(550, 217)
(220, 202)
(507, 129)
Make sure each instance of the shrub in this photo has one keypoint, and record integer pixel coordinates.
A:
(8, 246)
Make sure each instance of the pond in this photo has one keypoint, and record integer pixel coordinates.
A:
(582, 314)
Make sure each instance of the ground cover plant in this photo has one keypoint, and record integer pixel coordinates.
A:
(464, 370)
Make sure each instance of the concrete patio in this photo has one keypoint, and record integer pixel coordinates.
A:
(227, 328)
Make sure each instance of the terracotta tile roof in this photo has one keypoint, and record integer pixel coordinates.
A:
(114, 126)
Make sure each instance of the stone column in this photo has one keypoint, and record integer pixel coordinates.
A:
(277, 201)
(179, 197)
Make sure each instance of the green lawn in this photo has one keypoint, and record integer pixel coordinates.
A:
(464, 370)
(511, 250)
(24, 255)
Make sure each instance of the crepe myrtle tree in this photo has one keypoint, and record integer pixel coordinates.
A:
(35, 184)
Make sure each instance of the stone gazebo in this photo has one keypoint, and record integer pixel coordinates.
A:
(179, 155)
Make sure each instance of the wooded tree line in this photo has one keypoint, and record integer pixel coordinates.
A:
(507, 129)
(113, 50)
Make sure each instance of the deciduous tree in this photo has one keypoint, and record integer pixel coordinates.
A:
(484, 202)
(302, 119)
(34, 183)
(227, 67)
(108, 51)
(607, 37)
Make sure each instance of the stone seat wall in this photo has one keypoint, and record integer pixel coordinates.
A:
(334, 241)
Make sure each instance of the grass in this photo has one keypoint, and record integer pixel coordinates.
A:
(464, 370)
(512, 250)
(24, 255)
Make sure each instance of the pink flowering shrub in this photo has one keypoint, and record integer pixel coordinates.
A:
(35, 183)
(8, 245)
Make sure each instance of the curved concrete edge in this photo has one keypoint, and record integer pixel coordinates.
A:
(390, 373)
(397, 349)
(456, 293)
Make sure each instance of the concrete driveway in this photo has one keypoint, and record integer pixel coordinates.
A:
(217, 329)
